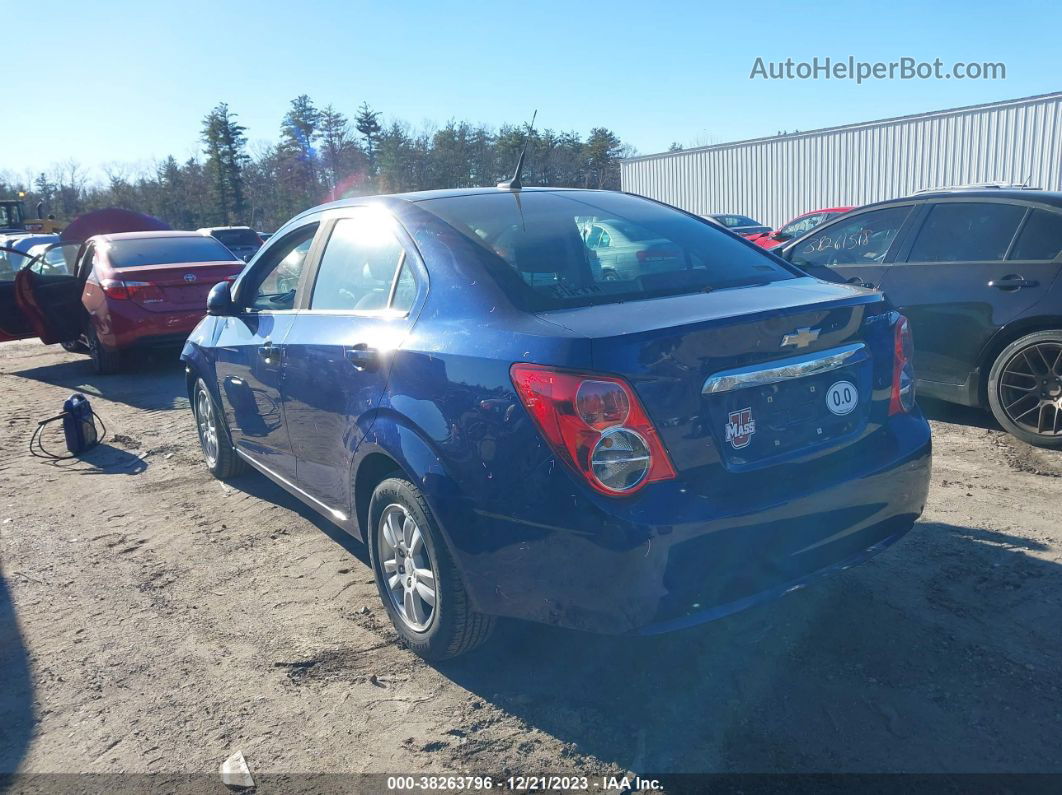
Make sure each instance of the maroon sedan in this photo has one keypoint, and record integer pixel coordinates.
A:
(115, 292)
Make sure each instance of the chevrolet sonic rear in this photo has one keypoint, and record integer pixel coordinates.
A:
(453, 378)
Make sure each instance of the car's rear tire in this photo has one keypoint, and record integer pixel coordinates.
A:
(214, 440)
(73, 346)
(105, 361)
(1025, 388)
(403, 530)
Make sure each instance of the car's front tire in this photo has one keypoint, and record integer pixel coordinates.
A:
(416, 576)
(105, 361)
(218, 452)
(1025, 388)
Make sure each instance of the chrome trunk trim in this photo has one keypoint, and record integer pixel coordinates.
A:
(781, 369)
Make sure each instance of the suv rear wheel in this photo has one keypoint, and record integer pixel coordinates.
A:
(417, 579)
(1025, 388)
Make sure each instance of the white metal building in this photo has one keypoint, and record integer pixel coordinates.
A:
(773, 179)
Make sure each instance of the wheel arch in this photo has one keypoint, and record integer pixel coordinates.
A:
(1004, 337)
(394, 446)
(197, 364)
(373, 469)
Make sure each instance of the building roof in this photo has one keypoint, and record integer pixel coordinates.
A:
(1056, 95)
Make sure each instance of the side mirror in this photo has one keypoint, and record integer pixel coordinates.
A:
(779, 236)
(219, 301)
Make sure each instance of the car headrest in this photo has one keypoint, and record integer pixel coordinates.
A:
(562, 254)
(381, 267)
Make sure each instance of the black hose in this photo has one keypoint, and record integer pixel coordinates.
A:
(36, 444)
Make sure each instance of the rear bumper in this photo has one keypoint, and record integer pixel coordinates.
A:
(681, 558)
(133, 327)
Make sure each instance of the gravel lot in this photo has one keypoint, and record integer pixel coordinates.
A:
(153, 619)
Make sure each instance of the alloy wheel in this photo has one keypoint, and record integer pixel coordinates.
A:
(1030, 388)
(407, 568)
(208, 427)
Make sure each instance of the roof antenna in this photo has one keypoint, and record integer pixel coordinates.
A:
(514, 183)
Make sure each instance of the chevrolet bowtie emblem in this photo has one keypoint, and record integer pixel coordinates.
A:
(801, 338)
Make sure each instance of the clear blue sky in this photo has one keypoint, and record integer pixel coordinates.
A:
(130, 83)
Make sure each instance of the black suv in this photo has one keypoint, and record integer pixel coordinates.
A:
(976, 273)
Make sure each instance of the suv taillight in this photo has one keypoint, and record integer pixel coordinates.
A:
(141, 292)
(596, 424)
(903, 378)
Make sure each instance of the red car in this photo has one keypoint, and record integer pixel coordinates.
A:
(112, 292)
(799, 226)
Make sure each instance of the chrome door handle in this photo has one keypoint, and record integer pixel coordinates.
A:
(362, 357)
(860, 283)
(266, 352)
(1012, 282)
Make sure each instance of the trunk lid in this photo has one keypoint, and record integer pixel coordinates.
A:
(183, 286)
(721, 387)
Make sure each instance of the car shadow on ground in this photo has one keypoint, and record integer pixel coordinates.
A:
(153, 380)
(937, 656)
(16, 687)
(259, 486)
(954, 414)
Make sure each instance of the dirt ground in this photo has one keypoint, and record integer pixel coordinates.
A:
(153, 619)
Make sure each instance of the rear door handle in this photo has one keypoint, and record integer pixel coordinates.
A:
(1012, 282)
(362, 356)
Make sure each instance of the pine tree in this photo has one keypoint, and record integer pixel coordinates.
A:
(367, 123)
(339, 152)
(225, 147)
(300, 131)
(602, 158)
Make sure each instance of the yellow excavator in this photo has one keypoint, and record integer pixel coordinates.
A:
(13, 218)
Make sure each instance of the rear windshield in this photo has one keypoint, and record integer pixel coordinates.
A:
(237, 237)
(731, 221)
(576, 248)
(164, 250)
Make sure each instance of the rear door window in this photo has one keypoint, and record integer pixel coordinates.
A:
(358, 266)
(1041, 237)
(864, 239)
(966, 232)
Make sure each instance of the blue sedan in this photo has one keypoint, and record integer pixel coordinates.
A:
(448, 376)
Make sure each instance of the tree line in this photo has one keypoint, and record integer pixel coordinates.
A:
(321, 154)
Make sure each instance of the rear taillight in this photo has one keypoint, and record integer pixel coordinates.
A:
(115, 289)
(596, 424)
(903, 380)
(141, 292)
(656, 254)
